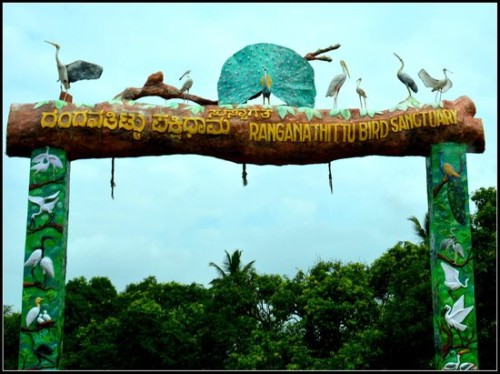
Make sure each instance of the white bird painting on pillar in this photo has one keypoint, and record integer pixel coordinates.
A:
(33, 312)
(45, 316)
(452, 279)
(454, 316)
(46, 204)
(452, 242)
(38, 257)
(40, 319)
(43, 161)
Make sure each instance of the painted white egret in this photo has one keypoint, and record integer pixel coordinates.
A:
(452, 279)
(468, 366)
(337, 82)
(45, 316)
(33, 312)
(44, 160)
(454, 316)
(37, 257)
(40, 167)
(47, 267)
(46, 204)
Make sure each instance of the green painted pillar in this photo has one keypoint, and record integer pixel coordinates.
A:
(45, 260)
(452, 265)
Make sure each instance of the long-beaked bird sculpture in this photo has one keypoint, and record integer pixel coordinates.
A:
(76, 71)
(406, 79)
(438, 85)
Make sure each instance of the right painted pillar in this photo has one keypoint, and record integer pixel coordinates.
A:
(452, 259)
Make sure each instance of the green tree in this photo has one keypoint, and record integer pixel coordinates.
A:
(335, 303)
(231, 309)
(422, 231)
(276, 340)
(176, 315)
(400, 279)
(11, 331)
(87, 304)
(233, 265)
(484, 243)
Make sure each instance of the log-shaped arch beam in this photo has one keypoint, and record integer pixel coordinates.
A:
(257, 134)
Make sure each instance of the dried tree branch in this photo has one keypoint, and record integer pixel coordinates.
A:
(314, 55)
(154, 86)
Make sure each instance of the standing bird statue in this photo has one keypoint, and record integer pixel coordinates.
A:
(337, 82)
(437, 85)
(361, 93)
(75, 71)
(406, 79)
(188, 83)
(259, 69)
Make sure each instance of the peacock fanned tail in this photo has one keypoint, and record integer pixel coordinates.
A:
(292, 76)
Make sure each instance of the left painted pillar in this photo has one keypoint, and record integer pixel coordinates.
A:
(45, 260)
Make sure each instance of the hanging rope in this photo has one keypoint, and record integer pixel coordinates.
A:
(112, 177)
(330, 177)
(244, 175)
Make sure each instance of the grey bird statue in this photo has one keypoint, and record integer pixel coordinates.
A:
(406, 79)
(188, 83)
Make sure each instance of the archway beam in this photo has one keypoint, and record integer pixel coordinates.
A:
(262, 135)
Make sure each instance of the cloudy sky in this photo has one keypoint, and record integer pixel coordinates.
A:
(172, 215)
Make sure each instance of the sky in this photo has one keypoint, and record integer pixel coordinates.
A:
(172, 215)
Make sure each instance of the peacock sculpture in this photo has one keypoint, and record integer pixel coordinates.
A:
(456, 192)
(269, 70)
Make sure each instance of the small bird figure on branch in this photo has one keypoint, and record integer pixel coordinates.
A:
(188, 83)
(438, 85)
(75, 71)
(362, 94)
